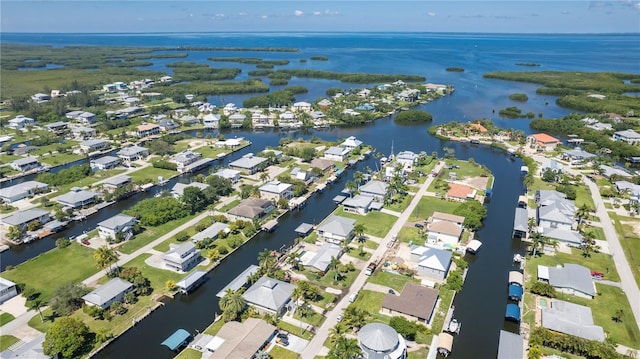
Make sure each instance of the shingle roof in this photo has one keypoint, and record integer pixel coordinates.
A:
(414, 300)
(75, 196)
(554, 214)
(447, 217)
(358, 201)
(242, 340)
(107, 291)
(179, 188)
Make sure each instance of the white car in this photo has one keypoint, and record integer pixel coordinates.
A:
(339, 318)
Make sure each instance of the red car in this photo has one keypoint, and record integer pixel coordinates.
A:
(434, 174)
(597, 275)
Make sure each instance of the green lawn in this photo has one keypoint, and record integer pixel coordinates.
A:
(86, 182)
(50, 270)
(150, 174)
(229, 205)
(418, 354)
(6, 318)
(189, 353)
(599, 262)
(428, 205)
(371, 302)
(354, 252)
(59, 158)
(583, 196)
(529, 310)
(295, 329)
(411, 235)
(597, 231)
(282, 353)
(152, 233)
(6, 341)
(324, 299)
(394, 281)
(446, 296)
(214, 328)
(314, 318)
(630, 242)
(158, 277)
(328, 280)
(401, 205)
(376, 223)
(466, 170)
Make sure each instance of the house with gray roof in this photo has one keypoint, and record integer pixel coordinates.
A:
(276, 190)
(629, 136)
(249, 164)
(573, 279)
(82, 133)
(351, 143)
(56, 126)
(114, 226)
(22, 190)
(210, 232)
(94, 144)
(133, 153)
(231, 175)
(553, 216)
(105, 162)
(108, 293)
(577, 156)
(520, 223)
(570, 238)
(380, 341)
(551, 165)
(250, 209)
(322, 164)
(8, 290)
(357, 204)
(321, 259)
(573, 319)
(374, 188)
(510, 345)
(609, 171)
(181, 257)
(545, 197)
(336, 229)
(20, 122)
(76, 198)
(178, 189)
(269, 295)
(185, 158)
(82, 117)
(23, 218)
(335, 153)
(432, 262)
(114, 183)
(25, 164)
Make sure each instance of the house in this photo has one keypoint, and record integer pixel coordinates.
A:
(324, 103)
(166, 79)
(432, 262)
(23, 150)
(351, 143)
(375, 189)
(21, 219)
(460, 192)
(365, 107)
(105, 163)
(573, 319)
(108, 293)
(301, 106)
(168, 125)
(188, 120)
(249, 164)
(185, 158)
(380, 341)
(476, 127)
(178, 189)
(148, 129)
(556, 215)
(211, 121)
(8, 290)
(210, 232)
(82, 133)
(19, 122)
(240, 340)
(230, 143)
(573, 279)
(336, 229)
(409, 95)
(94, 144)
(545, 197)
(118, 225)
(439, 216)
(114, 183)
(577, 156)
(231, 175)
(83, 117)
(114, 87)
(276, 190)
(600, 126)
(322, 164)
(543, 142)
(510, 345)
(133, 153)
(415, 302)
(358, 204)
(237, 118)
(568, 237)
(520, 223)
(551, 165)
(25, 164)
(407, 159)
(250, 209)
(629, 136)
(41, 97)
(320, 260)
(336, 153)
(444, 233)
(76, 198)
(364, 93)
(608, 171)
(22, 190)
(56, 126)
(181, 257)
(301, 175)
(269, 295)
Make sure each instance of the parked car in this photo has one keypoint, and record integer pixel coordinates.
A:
(339, 318)
(434, 174)
(353, 296)
(418, 225)
(597, 275)
(391, 291)
(282, 341)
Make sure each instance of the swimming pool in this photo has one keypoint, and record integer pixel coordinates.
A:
(543, 303)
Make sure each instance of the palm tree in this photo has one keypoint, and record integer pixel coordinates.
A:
(105, 257)
(264, 176)
(333, 264)
(351, 186)
(358, 177)
(266, 260)
(538, 241)
(588, 244)
(532, 223)
(358, 230)
(338, 331)
(582, 212)
(294, 260)
(232, 304)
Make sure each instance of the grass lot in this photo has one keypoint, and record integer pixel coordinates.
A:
(428, 205)
(529, 310)
(150, 234)
(6, 341)
(282, 353)
(150, 174)
(371, 244)
(324, 299)
(230, 205)
(411, 234)
(158, 277)
(86, 182)
(214, 328)
(371, 302)
(6, 318)
(376, 223)
(446, 296)
(394, 281)
(401, 205)
(59, 158)
(312, 238)
(328, 280)
(314, 318)
(189, 353)
(597, 231)
(354, 252)
(466, 170)
(50, 270)
(211, 152)
(295, 329)
(600, 262)
(630, 243)
(583, 196)
(418, 354)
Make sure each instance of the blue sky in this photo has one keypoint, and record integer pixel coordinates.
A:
(515, 16)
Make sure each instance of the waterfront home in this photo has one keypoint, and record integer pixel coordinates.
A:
(83, 117)
(543, 142)
(335, 153)
(250, 209)
(572, 279)
(167, 125)
(83, 133)
(568, 237)
(249, 164)
(276, 190)
(551, 165)
(22, 190)
(324, 103)
(105, 163)
(322, 164)
(600, 126)
(629, 136)
(211, 121)
(460, 192)
(147, 129)
(336, 229)
(544, 197)
(8, 290)
(320, 259)
(188, 120)
(20, 122)
(237, 118)
(181, 257)
(573, 319)
(301, 106)
(56, 126)
(178, 189)
(76, 197)
(269, 295)
(114, 183)
(520, 223)
(114, 87)
(360, 204)
(407, 159)
(40, 97)
(577, 156)
(133, 153)
(432, 262)
(608, 171)
(230, 143)
(21, 219)
(185, 158)
(240, 339)
(375, 189)
(120, 225)
(25, 164)
(302, 175)
(211, 232)
(231, 175)
(351, 143)
(23, 150)
(557, 214)
(510, 346)
(444, 233)
(94, 144)
(439, 216)
(476, 127)
(108, 293)
(378, 340)
(415, 302)
(408, 95)
(364, 93)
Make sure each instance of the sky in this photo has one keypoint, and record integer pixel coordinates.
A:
(515, 16)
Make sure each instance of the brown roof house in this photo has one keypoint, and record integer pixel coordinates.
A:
(415, 302)
(460, 192)
(240, 340)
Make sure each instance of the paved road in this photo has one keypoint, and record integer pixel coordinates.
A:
(315, 346)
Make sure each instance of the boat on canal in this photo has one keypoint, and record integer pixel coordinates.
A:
(454, 326)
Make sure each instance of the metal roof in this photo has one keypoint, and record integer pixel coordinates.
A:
(269, 293)
(107, 291)
(573, 276)
(573, 319)
(511, 345)
(378, 337)
(340, 226)
(176, 339)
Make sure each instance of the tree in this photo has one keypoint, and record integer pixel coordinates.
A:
(358, 230)
(67, 338)
(105, 257)
(193, 199)
(404, 327)
(232, 305)
(264, 176)
(544, 289)
(345, 349)
(14, 232)
(333, 265)
(534, 352)
(617, 317)
(283, 203)
(170, 285)
(358, 177)
(537, 241)
(294, 260)
(67, 298)
(266, 260)
(352, 187)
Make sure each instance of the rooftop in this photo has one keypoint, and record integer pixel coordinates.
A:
(269, 293)
(414, 300)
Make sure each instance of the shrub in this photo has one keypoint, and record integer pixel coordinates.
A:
(182, 237)
(404, 327)
(413, 116)
(62, 243)
(519, 97)
(544, 289)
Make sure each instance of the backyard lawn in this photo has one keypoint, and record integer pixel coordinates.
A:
(282, 353)
(401, 205)
(394, 281)
(54, 268)
(630, 242)
(6, 341)
(371, 302)
(411, 235)
(428, 205)
(158, 277)
(599, 262)
(151, 174)
(375, 223)
(297, 330)
(150, 234)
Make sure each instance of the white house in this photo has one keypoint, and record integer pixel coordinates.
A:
(374, 188)
(82, 117)
(351, 143)
(301, 106)
(335, 153)
(147, 129)
(76, 197)
(573, 279)
(94, 144)
(249, 164)
(133, 153)
(22, 218)
(407, 158)
(8, 290)
(108, 293)
(629, 136)
(211, 121)
(231, 175)
(444, 232)
(105, 163)
(269, 295)
(275, 190)
(25, 164)
(22, 190)
(432, 262)
(19, 122)
(82, 133)
(181, 257)
(358, 204)
(114, 226)
(336, 229)
(185, 158)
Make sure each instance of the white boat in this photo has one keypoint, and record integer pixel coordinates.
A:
(517, 258)
(454, 326)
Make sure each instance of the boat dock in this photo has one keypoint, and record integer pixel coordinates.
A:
(239, 281)
(270, 226)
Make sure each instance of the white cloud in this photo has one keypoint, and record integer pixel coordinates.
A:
(242, 13)
(298, 13)
(431, 13)
(220, 15)
(264, 17)
(316, 13)
(331, 12)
